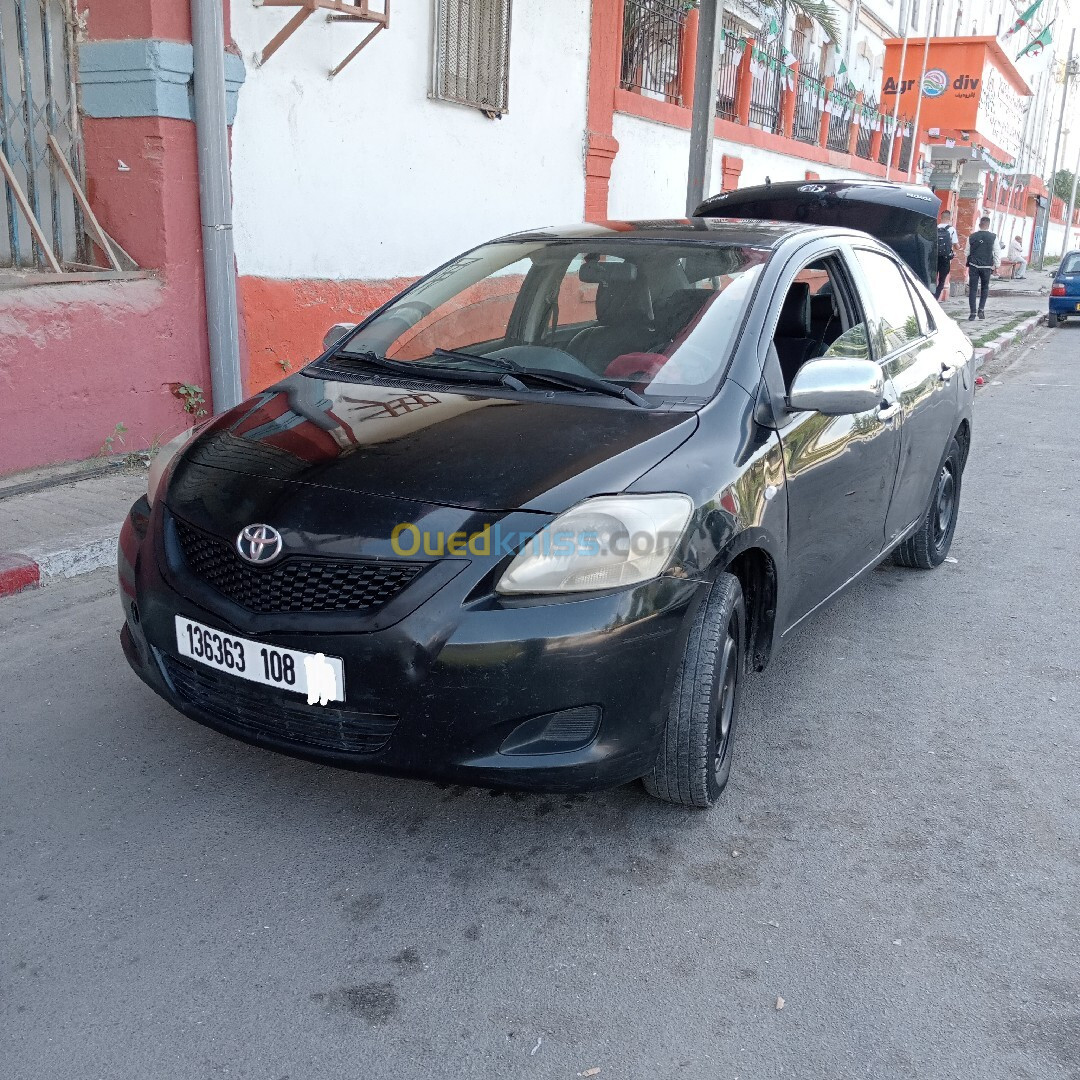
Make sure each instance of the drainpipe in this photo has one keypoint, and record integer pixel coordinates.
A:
(215, 201)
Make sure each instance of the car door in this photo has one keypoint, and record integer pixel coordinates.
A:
(922, 369)
(839, 469)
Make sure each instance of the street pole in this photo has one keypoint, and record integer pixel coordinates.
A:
(703, 114)
(215, 203)
(918, 100)
(1057, 149)
(1072, 206)
(896, 103)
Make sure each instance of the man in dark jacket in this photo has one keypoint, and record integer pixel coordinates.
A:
(946, 249)
(983, 258)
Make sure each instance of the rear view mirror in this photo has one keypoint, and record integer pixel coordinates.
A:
(837, 386)
(336, 333)
(595, 272)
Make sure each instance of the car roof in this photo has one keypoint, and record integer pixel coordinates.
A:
(739, 232)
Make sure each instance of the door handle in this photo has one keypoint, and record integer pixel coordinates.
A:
(947, 372)
(887, 412)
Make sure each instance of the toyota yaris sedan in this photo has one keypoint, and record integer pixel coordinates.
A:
(533, 522)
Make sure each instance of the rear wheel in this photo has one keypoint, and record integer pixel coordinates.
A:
(694, 761)
(927, 547)
(1054, 320)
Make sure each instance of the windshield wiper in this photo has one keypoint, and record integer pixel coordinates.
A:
(586, 384)
(506, 369)
(491, 363)
(554, 378)
(410, 368)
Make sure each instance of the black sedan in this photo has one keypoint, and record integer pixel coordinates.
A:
(532, 523)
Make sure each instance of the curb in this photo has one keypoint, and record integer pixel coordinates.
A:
(989, 352)
(20, 571)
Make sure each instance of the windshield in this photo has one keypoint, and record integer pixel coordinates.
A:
(656, 317)
(1070, 264)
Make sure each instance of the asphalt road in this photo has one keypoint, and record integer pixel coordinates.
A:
(897, 856)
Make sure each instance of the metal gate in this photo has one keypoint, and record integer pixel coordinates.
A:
(39, 135)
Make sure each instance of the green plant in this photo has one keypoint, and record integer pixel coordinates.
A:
(192, 397)
(117, 436)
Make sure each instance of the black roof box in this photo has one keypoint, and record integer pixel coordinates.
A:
(904, 216)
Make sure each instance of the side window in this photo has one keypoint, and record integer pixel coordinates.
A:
(818, 319)
(895, 323)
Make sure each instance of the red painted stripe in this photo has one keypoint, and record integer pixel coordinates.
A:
(17, 572)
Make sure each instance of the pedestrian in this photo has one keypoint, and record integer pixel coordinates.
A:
(947, 241)
(983, 258)
(1016, 255)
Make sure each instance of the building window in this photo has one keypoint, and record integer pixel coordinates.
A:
(472, 54)
(652, 48)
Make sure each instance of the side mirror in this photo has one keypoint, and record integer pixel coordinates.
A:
(336, 333)
(837, 386)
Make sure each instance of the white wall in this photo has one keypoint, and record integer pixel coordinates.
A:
(365, 177)
(648, 176)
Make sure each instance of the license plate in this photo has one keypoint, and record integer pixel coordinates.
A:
(321, 678)
(1078, 307)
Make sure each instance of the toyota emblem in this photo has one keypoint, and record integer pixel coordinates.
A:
(259, 543)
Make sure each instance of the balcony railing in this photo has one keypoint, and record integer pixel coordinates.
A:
(759, 85)
(652, 48)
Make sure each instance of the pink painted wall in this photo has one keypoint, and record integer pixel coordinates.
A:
(77, 359)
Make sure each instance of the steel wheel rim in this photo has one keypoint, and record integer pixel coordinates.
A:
(944, 504)
(725, 706)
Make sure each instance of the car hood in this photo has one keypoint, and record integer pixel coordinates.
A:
(440, 447)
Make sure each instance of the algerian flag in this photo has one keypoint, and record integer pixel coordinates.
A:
(1035, 47)
(1024, 20)
(789, 62)
(773, 28)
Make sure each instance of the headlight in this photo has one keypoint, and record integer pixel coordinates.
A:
(164, 458)
(599, 544)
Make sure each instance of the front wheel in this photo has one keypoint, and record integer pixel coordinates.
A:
(694, 761)
(927, 547)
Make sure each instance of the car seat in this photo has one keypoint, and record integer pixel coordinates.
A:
(794, 339)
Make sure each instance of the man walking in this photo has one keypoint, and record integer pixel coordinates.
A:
(1016, 255)
(946, 249)
(983, 259)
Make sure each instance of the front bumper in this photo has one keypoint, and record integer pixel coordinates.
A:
(450, 682)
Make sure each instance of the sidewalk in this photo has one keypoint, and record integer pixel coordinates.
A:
(1012, 309)
(62, 530)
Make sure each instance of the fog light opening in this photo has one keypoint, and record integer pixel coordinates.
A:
(554, 733)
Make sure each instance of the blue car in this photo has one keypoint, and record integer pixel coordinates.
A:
(1065, 291)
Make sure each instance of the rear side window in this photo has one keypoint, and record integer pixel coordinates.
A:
(894, 322)
(1070, 264)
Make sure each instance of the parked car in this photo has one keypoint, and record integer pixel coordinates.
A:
(1065, 290)
(533, 522)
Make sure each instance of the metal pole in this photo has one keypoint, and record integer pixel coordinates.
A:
(215, 200)
(896, 102)
(706, 85)
(918, 103)
(1072, 206)
(1057, 149)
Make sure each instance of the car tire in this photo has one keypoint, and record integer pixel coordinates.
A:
(1054, 320)
(694, 761)
(927, 547)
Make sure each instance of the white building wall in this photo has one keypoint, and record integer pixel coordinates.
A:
(364, 177)
(648, 176)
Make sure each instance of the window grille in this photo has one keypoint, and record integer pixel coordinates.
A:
(652, 47)
(38, 104)
(472, 54)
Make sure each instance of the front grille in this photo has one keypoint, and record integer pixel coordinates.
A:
(294, 584)
(265, 712)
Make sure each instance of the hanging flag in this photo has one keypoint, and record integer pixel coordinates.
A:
(1024, 20)
(950, 143)
(789, 69)
(1035, 47)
